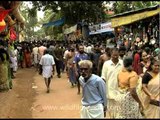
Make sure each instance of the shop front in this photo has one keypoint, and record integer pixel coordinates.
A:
(143, 23)
(11, 20)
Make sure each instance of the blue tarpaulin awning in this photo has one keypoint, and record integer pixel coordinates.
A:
(55, 23)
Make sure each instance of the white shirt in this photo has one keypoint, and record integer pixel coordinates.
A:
(109, 73)
(47, 61)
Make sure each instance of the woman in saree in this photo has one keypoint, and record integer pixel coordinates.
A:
(144, 64)
(27, 57)
(151, 90)
(12, 57)
(4, 66)
(128, 102)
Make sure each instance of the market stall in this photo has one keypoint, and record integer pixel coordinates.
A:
(70, 33)
(12, 21)
(143, 23)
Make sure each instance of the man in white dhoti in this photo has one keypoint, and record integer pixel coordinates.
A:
(47, 63)
(110, 72)
(94, 101)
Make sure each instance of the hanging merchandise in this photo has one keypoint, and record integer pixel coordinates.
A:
(3, 14)
(2, 25)
(7, 36)
(13, 35)
(11, 22)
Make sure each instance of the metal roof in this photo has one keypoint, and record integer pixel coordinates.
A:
(135, 11)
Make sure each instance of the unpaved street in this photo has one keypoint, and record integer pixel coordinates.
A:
(28, 98)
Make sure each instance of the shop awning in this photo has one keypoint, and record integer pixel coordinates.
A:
(55, 23)
(128, 18)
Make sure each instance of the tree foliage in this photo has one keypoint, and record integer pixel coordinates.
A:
(30, 15)
(50, 16)
(74, 11)
(77, 11)
(125, 6)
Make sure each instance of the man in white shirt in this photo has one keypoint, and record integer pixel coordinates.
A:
(47, 63)
(110, 71)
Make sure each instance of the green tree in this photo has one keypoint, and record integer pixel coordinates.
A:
(74, 11)
(50, 16)
(30, 15)
(122, 6)
(125, 6)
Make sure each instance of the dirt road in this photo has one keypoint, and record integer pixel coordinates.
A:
(28, 98)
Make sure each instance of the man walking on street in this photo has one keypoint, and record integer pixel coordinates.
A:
(94, 101)
(58, 52)
(81, 55)
(47, 64)
(110, 72)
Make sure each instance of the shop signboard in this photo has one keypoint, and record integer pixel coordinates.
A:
(100, 28)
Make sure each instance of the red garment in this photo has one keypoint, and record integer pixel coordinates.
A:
(13, 34)
(27, 57)
(136, 63)
(2, 25)
(3, 14)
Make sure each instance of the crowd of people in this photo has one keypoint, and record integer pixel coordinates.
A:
(123, 80)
